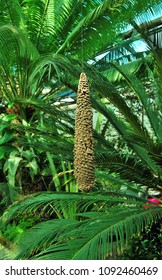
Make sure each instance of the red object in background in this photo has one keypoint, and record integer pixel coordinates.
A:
(154, 202)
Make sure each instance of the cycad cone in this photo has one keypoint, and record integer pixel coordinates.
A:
(83, 145)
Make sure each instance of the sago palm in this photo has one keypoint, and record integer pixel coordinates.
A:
(103, 224)
(37, 58)
(45, 44)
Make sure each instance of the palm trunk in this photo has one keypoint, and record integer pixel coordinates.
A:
(83, 145)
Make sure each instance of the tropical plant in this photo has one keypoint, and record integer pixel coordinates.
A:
(104, 221)
(44, 46)
(147, 245)
(49, 61)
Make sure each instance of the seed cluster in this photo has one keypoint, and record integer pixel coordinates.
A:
(83, 145)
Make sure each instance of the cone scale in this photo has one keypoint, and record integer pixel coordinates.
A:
(83, 143)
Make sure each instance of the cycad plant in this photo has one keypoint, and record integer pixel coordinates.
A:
(42, 44)
(102, 226)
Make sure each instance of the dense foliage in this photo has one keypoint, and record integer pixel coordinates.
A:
(44, 46)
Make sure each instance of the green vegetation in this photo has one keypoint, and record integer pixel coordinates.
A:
(45, 211)
(146, 245)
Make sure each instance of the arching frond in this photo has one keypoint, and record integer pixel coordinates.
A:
(113, 75)
(16, 53)
(11, 13)
(138, 88)
(45, 199)
(103, 26)
(92, 237)
(14, 45)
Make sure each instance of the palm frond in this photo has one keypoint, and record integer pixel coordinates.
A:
(16, 53)
(138, 138)
(103, 23)
(52, 200)
(47, 21)
(113, 75)
(102, 86)
(11, 13)
(94, 237)
(128, 166)
(12, 37)
(51, 66)
(114, 182)
(9, 193)
(138, 88)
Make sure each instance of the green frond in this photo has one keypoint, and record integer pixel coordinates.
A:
(50, 202)
(62, 26)
(101, 24)
(16, 51)
(129, 168)
(137, 86)
(44, 234)
(9, 193)
(119, 124)
(114, 75)
(11, 12)
(102, 86)
(14, 44)
(46, 67)
(95, 237)
(113, 219)
(137, 137)
(113, 181)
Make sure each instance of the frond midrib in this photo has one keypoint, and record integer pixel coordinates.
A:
(117, 225)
